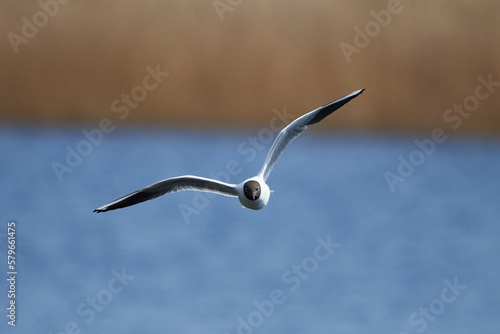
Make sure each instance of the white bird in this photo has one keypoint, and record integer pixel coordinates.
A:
(254, 192)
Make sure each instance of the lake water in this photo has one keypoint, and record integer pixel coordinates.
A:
(337, 250)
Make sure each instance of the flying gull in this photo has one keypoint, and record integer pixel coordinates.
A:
(253, 193)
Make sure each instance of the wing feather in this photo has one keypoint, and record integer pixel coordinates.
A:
(181, 183)
(294, 129)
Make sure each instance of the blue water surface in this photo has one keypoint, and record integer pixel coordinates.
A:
(347, 243)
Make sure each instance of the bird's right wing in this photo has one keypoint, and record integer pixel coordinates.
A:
(298, 126)
(171, 185)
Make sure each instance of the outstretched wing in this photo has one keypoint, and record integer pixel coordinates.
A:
(171, 185)
(297, 127)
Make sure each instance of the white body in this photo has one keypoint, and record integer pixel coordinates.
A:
(260, 202)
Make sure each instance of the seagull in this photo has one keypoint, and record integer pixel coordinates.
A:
(254, 192)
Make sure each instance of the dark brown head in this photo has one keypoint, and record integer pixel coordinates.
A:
(251, 189)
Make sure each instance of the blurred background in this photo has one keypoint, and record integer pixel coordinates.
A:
(231, 64)
(99, 99)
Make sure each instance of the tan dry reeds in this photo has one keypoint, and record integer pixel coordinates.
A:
(263, 55)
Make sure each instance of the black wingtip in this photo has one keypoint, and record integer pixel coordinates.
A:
(359, 91)
(326, 110)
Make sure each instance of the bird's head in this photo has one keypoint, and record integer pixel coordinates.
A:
(251, 190)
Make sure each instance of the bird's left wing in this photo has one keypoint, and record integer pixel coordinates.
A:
(171, 185)
(298, 126)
